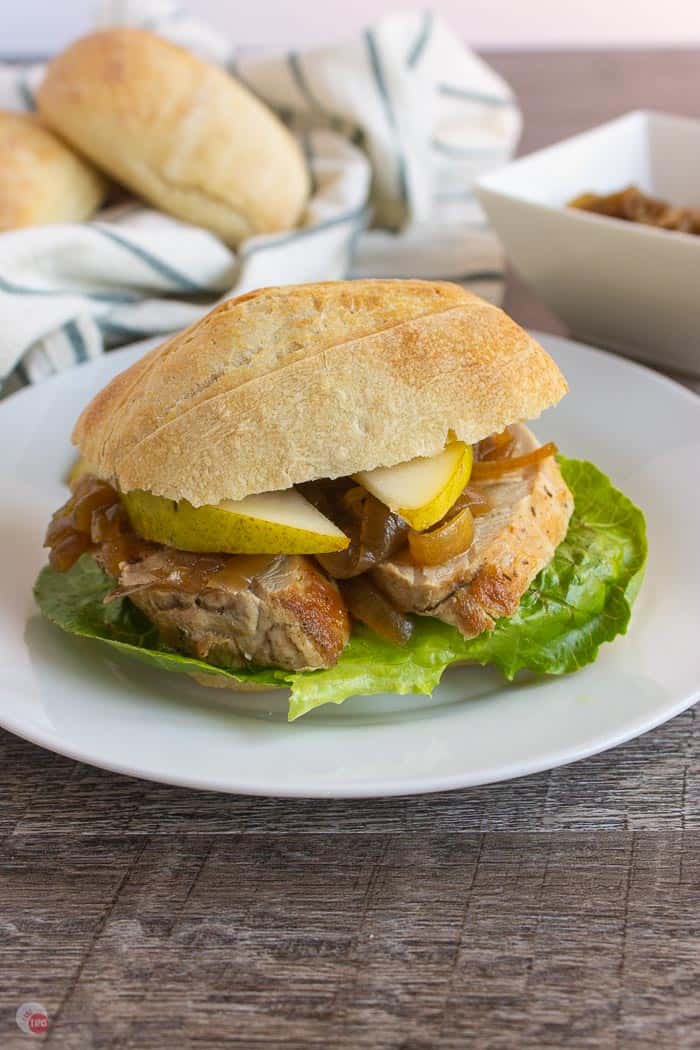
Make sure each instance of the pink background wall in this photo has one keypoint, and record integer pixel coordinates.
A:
(35, 26)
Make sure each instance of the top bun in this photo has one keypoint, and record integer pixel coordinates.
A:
(41, 179)
(177, 131)
(289, 384)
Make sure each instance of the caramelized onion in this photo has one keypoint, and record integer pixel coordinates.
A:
(93, 505)
(367, 604)
(67, 549)
(115, 553)
(444, 542)
(150, 567)
(375, 533)
(354, 498)
(342, 565)
(483, 470)
(88, 499)
(497, 446)
(381, 533)
(107, 523)
(93, 521)
(474, 499)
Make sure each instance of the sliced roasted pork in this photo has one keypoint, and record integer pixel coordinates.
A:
(529, 516)
(266, 611)
(229, 609)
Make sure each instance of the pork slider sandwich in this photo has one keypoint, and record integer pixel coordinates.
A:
(331, 487)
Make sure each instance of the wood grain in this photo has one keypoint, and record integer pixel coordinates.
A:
(558, 911)
(414, 940)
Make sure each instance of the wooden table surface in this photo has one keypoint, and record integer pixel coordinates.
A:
(560, 910)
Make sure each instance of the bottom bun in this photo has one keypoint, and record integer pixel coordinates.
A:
(212, 681)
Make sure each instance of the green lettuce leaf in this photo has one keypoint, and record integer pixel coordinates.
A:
(580, 600)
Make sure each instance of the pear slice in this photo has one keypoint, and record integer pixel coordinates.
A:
(423, 489)
(80, 467)
(270, 523)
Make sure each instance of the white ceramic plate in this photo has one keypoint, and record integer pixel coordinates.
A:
(78, 698)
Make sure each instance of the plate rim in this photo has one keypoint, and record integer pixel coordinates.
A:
(371, 789)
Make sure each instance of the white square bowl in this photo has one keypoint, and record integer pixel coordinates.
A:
(632, 288)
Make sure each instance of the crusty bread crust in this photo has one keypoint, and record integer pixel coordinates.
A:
(41, 179)
(323, 380)
(180, 132)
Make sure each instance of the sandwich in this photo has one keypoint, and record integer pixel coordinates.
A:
(333, 488)
(179, 132)
(41, 179)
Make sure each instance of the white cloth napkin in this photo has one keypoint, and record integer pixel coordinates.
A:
(395, 124)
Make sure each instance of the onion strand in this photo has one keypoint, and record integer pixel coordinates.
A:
(444, 542)
(368, 605)
(485, 470)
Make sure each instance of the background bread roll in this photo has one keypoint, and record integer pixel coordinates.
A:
(177, 131)
(314, 381)
(41, 179)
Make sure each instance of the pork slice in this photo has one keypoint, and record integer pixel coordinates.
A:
(529, 518)
(264, 611)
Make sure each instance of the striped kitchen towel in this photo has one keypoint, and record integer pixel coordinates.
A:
(395, 124)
